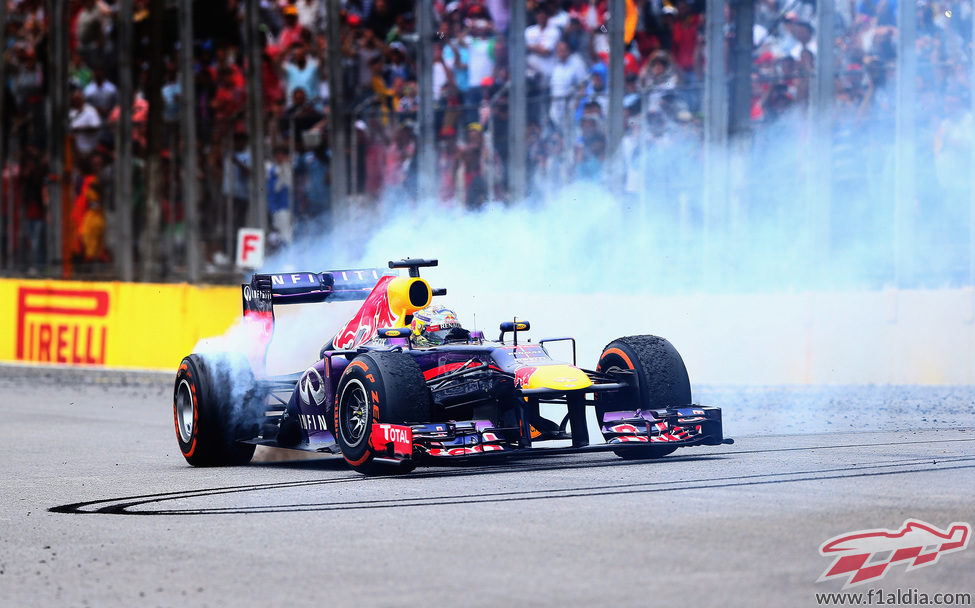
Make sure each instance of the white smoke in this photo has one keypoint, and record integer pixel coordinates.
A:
(582, 261)
(664, 237)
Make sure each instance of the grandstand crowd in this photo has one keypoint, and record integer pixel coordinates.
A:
(567, 56)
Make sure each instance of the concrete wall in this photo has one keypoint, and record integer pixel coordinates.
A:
(869, 337)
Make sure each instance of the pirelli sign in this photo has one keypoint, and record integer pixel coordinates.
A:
(112, 324)
(63, 325)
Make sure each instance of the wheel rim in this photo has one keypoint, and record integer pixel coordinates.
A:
(353, 413)
(184, 411)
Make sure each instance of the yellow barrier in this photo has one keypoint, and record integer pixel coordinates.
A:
(137, 325)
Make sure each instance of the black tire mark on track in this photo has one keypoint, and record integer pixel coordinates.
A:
(124, 508)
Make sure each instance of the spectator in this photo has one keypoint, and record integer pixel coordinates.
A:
(660, 76)
(237, 168)
(79, 74)
(481, 64)
(540, 42)
(590, 167)
(442, 74)
(27, 82)
(381, 18)
(291, 33)
(472, 165)
(101, 93)
(33, 176)
(300, 71)
(457, 56)
(685, 38)
(396, 67)
(85, 122)
(89, 29)
(27, 86)
(224, 61)
(228, 101)
(311, 185)
(92, 230)
(368, 51)
(447, 159)
(376, 143)
(279, 186)
(171, 95)
(88, 195)
(401, 160)
(596, 91)
(802, 32)
(568, 74)
(300, 117)
(310, 13)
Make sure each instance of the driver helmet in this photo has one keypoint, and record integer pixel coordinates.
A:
(435, 325)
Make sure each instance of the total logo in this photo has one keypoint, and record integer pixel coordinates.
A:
(399, 438)
(396, 434)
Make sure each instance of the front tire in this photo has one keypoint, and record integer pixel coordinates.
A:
(657, 378)
(214, 405)
(378, 387)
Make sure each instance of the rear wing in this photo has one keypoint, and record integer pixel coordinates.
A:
(265, 291)
(388, 300)
(310, 287)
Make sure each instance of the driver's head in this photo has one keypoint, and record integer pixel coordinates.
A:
(435, 325)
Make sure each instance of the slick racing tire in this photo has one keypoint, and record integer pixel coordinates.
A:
(214, 405)
(378, 387)
(658, 380)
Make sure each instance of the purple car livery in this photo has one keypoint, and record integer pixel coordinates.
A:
(387, 401)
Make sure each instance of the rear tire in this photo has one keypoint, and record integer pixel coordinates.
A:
(659, 380)
(378, 387)
(214, 405)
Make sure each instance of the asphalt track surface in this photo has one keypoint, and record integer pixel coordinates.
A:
(99, 509)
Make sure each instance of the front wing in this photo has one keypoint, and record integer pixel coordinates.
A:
(677, 427)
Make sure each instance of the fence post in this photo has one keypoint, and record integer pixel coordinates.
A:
(715, 194)
(123, 146)
(971, 173)
(820, 194)
(336, 102)
(736, 224)
(57, 133)
(228, 183)
(8, 215)
(426, 152)
(905, 161)
(152, 252)
(188, 135)
(257, 206)
(614, 117)
(291, 161)
(517, 105)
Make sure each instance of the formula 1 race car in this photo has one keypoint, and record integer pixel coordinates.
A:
(403, 383)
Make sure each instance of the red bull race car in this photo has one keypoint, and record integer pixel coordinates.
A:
(403, 383)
